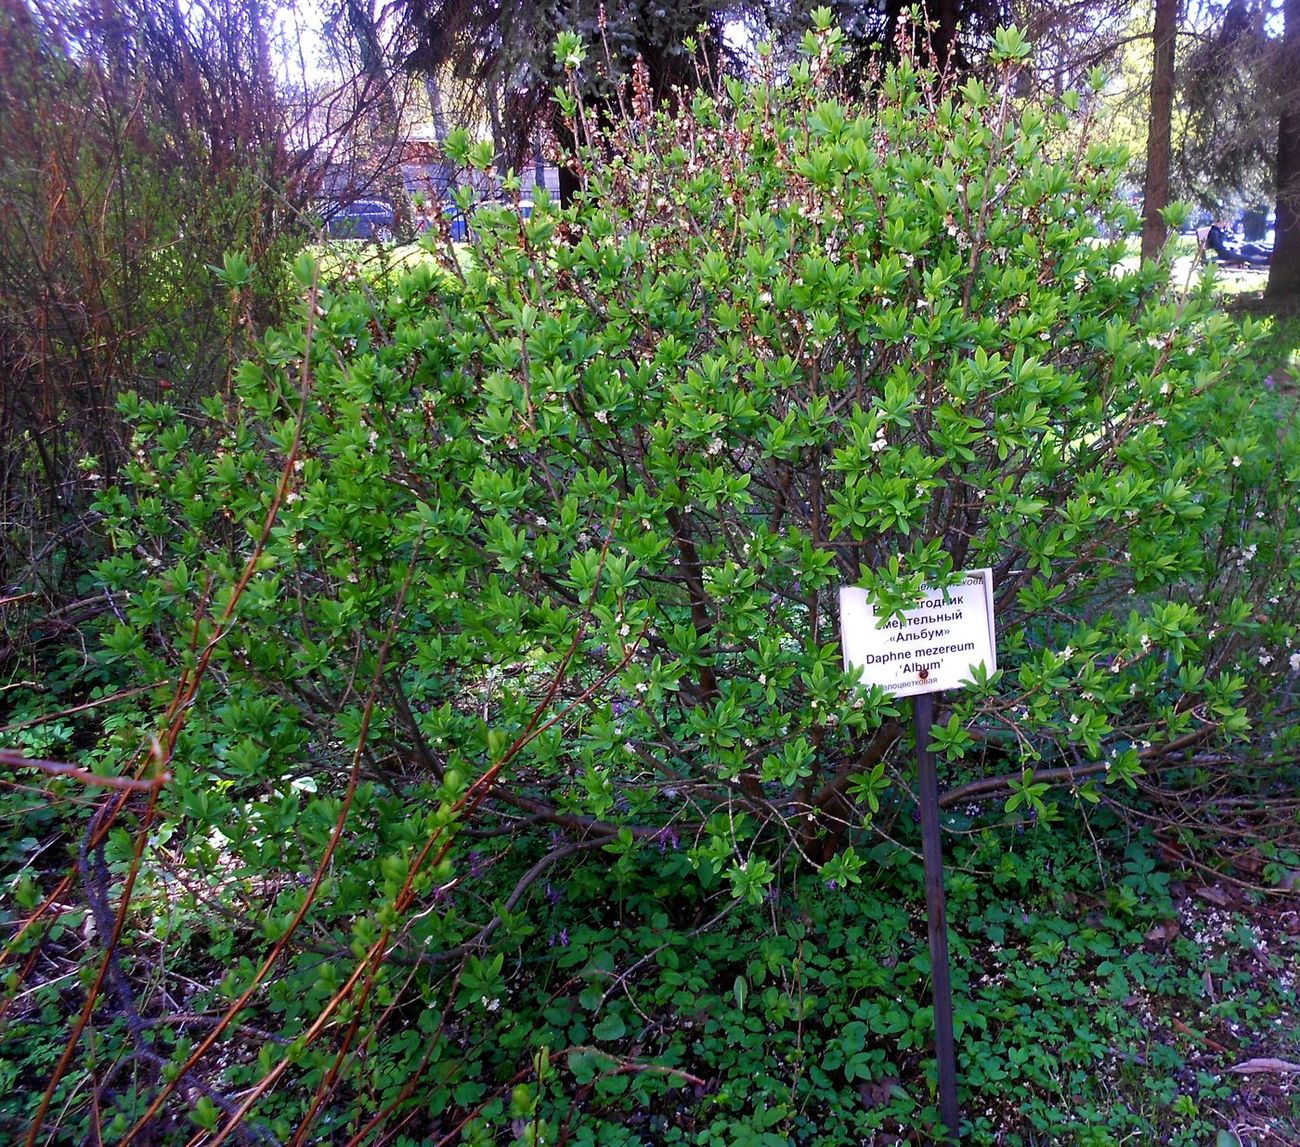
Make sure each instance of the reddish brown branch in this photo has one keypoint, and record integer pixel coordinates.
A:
(15, 760)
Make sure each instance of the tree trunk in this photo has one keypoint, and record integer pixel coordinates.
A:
(1155, 191)
(946, 14)
(1284, 268)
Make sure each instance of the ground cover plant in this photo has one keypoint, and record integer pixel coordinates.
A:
(500, 777)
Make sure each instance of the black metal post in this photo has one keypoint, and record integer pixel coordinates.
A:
(937, 914)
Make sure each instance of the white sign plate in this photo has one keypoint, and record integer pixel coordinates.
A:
(934, 646)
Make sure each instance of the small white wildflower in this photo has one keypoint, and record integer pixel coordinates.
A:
(1074, 718)
(1265, 657)
(762, 677)
(624, 630)
(642, 687)
(1067, 652)
(879, 444)
(602, 416)
(1146, 641)
(1236, 460)
(1295, 662)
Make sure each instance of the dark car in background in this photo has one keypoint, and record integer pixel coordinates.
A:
(360, 219)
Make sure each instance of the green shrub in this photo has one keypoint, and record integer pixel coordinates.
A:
(542, 554)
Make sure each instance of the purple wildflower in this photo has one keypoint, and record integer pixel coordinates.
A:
(666, 838)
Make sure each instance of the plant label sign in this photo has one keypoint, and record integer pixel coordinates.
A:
(932, 647)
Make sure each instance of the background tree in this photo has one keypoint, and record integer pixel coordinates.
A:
(1155, 187)
(1226, 103)
(504, 51)
(1284, 271)
(953, 35)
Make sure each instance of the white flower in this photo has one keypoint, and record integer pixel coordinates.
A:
(1265, 658)
(1236, 460)
(1146, 641)
(1067, 653)
(602, 416)
(1295, 662)
(624, 630)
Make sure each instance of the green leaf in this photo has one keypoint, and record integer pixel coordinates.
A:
(610, 1028)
